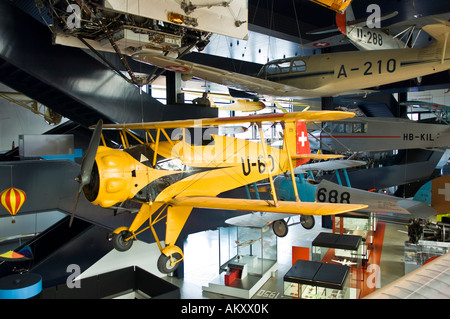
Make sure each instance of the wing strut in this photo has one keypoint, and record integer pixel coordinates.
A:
(444, 48)
(266, 158)
(291, 167)
(155, 155)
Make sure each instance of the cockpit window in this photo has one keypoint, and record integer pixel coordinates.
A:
(340, 127)
(282, 66)
(276, 68)
(359, 127)
(298, 66)
(333, 127)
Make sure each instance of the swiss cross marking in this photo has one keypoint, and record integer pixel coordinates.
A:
(445, 191)
(303, 139)
(177, 68)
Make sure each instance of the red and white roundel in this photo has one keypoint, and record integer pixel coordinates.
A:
(177, 68)
(321, 44)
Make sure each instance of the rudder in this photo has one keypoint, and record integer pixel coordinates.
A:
(297, 137)
(436, 193)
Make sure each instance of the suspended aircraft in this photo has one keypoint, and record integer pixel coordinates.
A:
(246, 103)
(431, 199)
(236, 104)
(365, 134)
(358, 33)
(325, 74)
(439, 110)
(335, 5)
(167, 178)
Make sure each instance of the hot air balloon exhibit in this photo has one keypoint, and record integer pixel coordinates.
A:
(12, 199)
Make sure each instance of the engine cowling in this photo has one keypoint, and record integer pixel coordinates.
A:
(113, 177)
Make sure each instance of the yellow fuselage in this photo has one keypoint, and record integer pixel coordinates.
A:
(207, 170)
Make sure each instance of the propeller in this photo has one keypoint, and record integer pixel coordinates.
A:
(87, 164)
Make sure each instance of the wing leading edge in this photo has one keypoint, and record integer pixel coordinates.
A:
(271, 117)
(298, 208)
(230, 79)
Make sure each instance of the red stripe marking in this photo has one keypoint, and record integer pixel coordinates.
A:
(374, 136)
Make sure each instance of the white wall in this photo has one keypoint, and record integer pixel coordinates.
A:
(16, 120)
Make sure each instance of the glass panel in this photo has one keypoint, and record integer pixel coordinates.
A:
(291, 289)
(227, 246)
(272, 69)
(298, 66)
(276, 68)
(341, 128)
(359, 127)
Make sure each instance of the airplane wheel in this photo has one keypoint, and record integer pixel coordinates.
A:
(164, 263)
(280, 228)
(119, 242)
(307, 222)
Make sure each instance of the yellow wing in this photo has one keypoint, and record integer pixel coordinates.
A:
(300, 208)
(271, 117)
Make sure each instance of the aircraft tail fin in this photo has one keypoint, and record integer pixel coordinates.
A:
(348, 19)
(341, 22)
(297, 137)
(342, 19)
(439, 31)
(436, 193)
(301, 142)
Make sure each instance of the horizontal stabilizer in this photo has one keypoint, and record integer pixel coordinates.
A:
(328, 166)
(417, 209)
(316, 156)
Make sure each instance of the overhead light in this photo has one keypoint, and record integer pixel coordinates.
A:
(176, 18)
(180, 19)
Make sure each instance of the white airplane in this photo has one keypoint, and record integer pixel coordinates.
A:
(366, 134)
(357, 33)
(344, 262)
(325, 74)
(246, 243)
(439, 110)
(431, 199)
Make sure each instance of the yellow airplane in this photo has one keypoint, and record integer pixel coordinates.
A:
(243, 105)
(246, 104)
(335, 5)
(169, 177)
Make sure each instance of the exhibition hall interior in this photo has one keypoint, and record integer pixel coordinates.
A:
(235, 149)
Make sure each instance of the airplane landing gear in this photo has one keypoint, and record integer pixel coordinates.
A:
(168, 264)
(122, 240)
(307, 222)
(170, 259)
(280, 228)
